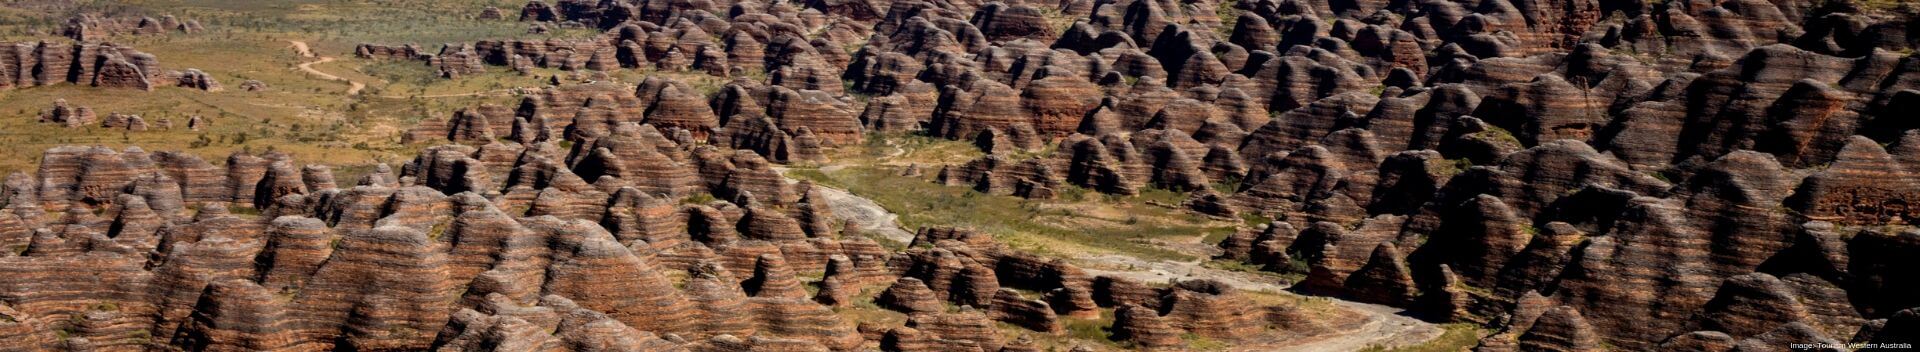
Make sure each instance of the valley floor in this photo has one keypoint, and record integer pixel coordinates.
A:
(1362, 326)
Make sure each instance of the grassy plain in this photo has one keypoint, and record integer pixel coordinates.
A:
(1078, 222)
(311, 118)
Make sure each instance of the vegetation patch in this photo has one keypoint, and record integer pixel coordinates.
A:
(1459, 337)
(1044, 226)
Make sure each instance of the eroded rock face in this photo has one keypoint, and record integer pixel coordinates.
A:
(1144, 327)
(1686, 176)
(89, 27)
(31, 64)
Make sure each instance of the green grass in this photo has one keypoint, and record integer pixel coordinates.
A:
(864, 310)
(1102, 224)
(915, 148)
(1882, 5)
(1058, 22)
(1157, 195)
(334, 22)
(1078, 221)
(244, 211)
(1457, 166)
(240, 120)
(1496, 133)
(698, 198)
(814, 174)
(309, 118)
(1459, 337)
(1203, 343)
(439, 228)
(1096, 329)
(1240, 266)
(1228, 13)
(1252, 219)
(106, 307)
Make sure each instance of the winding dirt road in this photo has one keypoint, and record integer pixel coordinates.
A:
(1384, 325)
(869, 216)
(301, 48)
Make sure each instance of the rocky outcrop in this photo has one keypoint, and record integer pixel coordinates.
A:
(1008, 306)
(909, 295)
(195, 79)
(966, 326)
(89, 27)
(391, 263)
(1144, 327)
(68, 115)
(389, 52)
(84, 63)
(253, 85)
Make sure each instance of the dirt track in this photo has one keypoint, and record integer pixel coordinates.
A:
(301, 48)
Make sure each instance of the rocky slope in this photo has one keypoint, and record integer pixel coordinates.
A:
(91, 63)
(506, 247)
